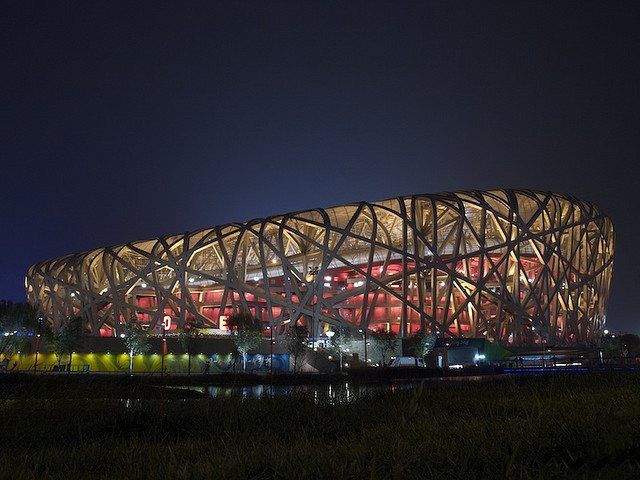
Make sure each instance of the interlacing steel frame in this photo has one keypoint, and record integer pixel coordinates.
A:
(517, 266)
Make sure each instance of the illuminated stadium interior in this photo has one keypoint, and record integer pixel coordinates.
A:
(515, 267)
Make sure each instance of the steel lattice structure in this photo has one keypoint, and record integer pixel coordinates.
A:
(516, 266)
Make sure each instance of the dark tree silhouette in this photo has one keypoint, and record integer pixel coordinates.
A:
(136, 338)
(17, 321)
(247, 334)
(187, 335)
(385, 342)
(65, 338)
(296, 338)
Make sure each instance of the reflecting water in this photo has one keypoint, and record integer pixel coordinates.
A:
(330, 393)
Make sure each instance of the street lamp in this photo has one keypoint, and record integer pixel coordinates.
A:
(35, 365)
(541, 346)
(313, 273)
(270, 350)
(330, 334)
(166, 324)
(366, 356)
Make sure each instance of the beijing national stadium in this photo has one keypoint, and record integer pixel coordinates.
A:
(510, 266)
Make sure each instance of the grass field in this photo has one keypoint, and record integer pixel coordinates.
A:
(585, 426)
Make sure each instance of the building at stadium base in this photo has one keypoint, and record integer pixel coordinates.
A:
(516, 267)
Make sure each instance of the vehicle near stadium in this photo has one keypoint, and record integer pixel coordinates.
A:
(400, 362)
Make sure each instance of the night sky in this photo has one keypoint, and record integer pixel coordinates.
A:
(127, 120)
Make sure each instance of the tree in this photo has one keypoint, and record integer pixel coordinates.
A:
(65, 338)
(611, 346)
(385, 342)
(247, 334)
(630, 344)
(136, 338)
(342, 341)
(424, 343)
(296, 338)
(17, 321)
(622, 345)
(187, 334)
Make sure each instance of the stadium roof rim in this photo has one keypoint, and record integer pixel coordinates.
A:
(435, 196)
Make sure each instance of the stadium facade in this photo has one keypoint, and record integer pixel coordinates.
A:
(517, 267)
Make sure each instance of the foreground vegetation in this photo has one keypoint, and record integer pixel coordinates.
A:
(519, 427)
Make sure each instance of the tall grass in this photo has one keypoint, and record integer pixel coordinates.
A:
(526, 428)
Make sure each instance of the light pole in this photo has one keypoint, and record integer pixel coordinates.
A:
(366, 356)
(313, 273)
(330, 334)
(164, 346)
(445, 351)
(35, 365)
(541, 346)
(270, 349)
(600, 346)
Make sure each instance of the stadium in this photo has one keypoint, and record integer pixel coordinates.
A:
(516, 267)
